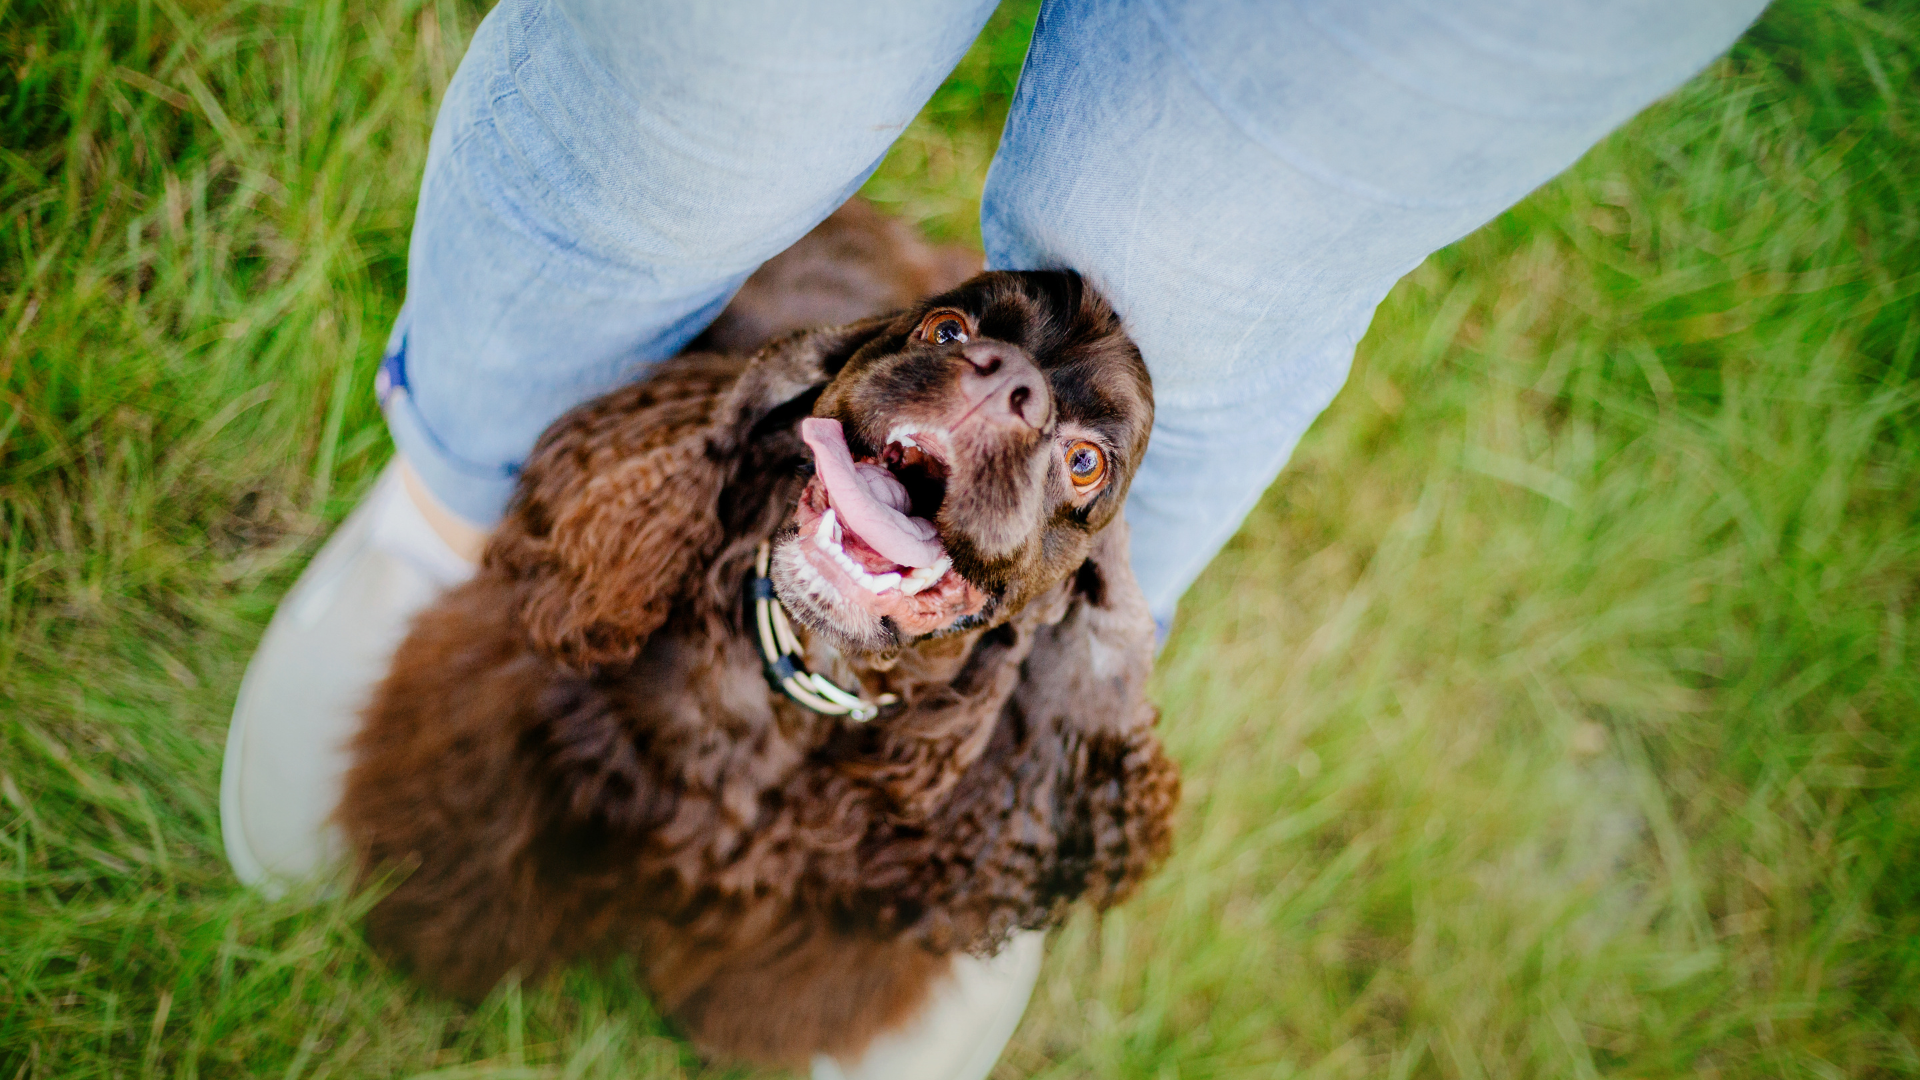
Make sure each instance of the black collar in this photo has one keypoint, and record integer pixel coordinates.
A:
(780, 654)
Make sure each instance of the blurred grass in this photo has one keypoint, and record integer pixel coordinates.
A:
(1554, 715)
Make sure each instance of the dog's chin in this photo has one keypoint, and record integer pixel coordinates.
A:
(835, 585)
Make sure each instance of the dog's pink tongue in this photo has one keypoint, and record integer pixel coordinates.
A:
(906, 540)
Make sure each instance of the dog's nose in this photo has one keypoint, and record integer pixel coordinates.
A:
(1002, 386)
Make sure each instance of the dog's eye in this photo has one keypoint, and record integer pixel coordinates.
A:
(944, 327)
(1086, 464)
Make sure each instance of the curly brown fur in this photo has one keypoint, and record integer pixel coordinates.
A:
(576, 754)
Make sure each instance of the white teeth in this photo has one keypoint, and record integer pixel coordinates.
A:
(907, 435)
(830, 536)
(918, 581)
(856, 571)
(846, 563)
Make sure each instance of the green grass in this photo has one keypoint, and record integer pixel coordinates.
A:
(1557, 714)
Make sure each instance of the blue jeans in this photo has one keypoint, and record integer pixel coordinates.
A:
(1243, 179)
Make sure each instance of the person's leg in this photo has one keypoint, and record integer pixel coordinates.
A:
(1246, 179)
(604, 174)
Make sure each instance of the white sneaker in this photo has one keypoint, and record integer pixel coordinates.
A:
(964, 1028)
(328, 644)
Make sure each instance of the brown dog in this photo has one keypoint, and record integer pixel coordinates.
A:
(581, 753)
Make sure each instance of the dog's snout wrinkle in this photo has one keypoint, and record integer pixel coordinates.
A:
(1004, 388)
(985, 365)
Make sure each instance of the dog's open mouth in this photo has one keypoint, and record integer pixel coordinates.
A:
(867, 534)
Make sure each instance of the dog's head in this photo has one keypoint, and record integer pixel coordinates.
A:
(965, 456)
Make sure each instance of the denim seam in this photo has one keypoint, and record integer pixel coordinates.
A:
(547, 15)
(567, 242)
(529, 216)
(541, 12)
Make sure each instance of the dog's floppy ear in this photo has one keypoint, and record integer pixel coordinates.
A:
(1073, 797)
(1113, 789)
(617, 510)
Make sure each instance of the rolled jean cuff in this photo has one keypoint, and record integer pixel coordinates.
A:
(473, 490)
